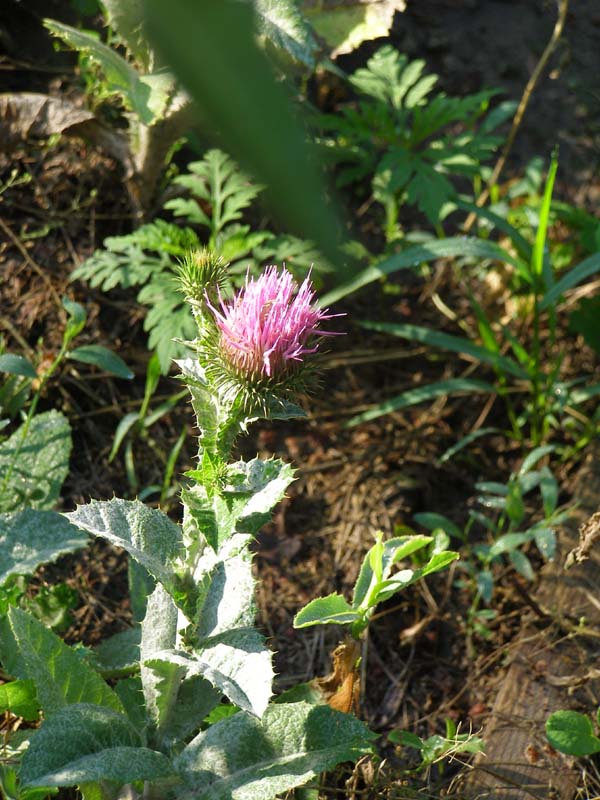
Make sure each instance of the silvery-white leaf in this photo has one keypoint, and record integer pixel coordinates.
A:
(159, 632)
(83, 743)
(146, 533)
(229, 599)
(32, 469)
(244, 758)
(237, 664)
(30, 538)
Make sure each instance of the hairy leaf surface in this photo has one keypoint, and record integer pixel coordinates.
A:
(242, 758)
(30, 538)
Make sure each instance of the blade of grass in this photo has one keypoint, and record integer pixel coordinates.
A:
(422, 394)
(416, 255)
(457, 344)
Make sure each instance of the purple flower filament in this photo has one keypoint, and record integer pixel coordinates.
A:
(266, 328)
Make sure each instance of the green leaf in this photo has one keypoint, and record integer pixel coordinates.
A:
(394, 550)
(83, 743)
(423, 394)
(536, 455)
(537, 257)
(333, 609)
(431, 521)
(17, 365)
(485, 585)
(60, 675)
(126, 20)
(31, 538)
(159, 632)
(76, 319)
(198, 40)
(121, 77)
(196, 699)
(146, 533)
(35, 462)
(236, 663)
(216, 180)
(545, 540)
(507, 543)
(465, 441)
(103, 358)
(119, 654)
(346, 26)
(285, 28)
(20, 699)
(522, 564)
(589, 266)
(412, 257)
(292, 743)
(572, 733)
(227, 593)
(456, 344)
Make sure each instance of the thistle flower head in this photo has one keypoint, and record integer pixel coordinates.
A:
(269, 326)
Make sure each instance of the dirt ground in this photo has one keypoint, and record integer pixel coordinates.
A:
(419, 668)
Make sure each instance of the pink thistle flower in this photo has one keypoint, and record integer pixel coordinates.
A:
(268, 326)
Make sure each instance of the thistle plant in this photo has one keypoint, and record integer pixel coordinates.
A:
(193, 655)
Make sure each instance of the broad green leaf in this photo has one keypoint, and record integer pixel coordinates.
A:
(127, 20)
(456, 344)
(588, 267)
(431, 521)
(485, 585)
(346, 26)
(83, 743)
(237, 664)
(522, 564)
(30, 538)
(414, 256)
(406, 577)
(120, 75)
(422, 394)
(333, 609)
(35, 462)
(196, 699)
(545, 540)
(146, 533)
(17, 365)
(285, 28)
(508, 542)
(129, 692)
(76, 319)
(119, 654)
(242, 758)
(536, 455)
(394, 550)
(20, 699)
(572, 733)
(103, 358)
(198, 40)
(60, 675)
